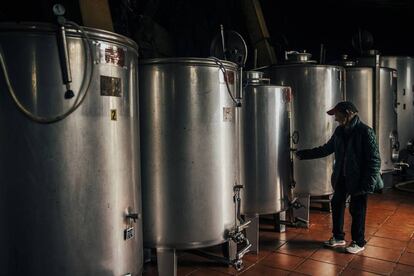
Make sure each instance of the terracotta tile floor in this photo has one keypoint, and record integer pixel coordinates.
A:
(390, 248)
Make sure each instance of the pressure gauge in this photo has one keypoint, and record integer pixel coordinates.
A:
(59, 9)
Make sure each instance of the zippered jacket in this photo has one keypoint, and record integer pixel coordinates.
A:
(357, 157)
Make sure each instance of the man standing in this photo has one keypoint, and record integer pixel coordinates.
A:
(356, 173)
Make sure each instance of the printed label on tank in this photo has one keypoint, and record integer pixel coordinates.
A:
(114, 115)
(129, 233)
(110, 54)
(228, 76)
(111, 86)
(228, 114)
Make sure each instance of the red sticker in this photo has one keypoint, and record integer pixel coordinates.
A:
(287, 95)
(229, 77)
(115, 56)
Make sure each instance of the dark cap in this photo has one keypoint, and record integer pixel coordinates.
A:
(343, 107)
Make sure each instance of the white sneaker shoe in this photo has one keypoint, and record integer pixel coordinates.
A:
(354, 248)
(332, 242)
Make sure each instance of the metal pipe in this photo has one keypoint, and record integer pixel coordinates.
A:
(255, 58)
(223, 42)
(64, 55)
(321, 53)
(377, 83)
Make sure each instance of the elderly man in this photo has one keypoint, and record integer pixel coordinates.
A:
(355, 173)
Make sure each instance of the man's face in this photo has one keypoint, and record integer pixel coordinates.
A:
(341, 118)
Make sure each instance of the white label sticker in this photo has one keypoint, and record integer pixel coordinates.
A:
(228, 114)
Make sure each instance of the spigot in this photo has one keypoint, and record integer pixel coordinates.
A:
(243, 226)
(238, 265)
(400, 165)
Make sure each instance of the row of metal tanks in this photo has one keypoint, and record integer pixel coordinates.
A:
(356, 83)
(71, 169)
(371, 87)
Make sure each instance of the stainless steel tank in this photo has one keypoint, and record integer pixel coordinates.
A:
(265, 147)
(405, 95)
(360, 91)
(188, 151)
(316, 89)
(66, 188)
(388, 134)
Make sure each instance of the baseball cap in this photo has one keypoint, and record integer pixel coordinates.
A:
(343, 107)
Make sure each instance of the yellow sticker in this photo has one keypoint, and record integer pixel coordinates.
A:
(113, 115)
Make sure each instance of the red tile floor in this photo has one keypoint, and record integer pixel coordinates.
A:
(390, 248)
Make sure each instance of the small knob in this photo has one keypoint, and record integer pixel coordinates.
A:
(133, 216)
(69, 94)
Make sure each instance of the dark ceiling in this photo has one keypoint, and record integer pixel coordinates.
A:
(190, 25)
(335, 22)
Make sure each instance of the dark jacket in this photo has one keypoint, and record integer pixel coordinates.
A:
(359, 162)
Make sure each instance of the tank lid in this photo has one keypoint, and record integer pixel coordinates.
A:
(345, 61)
(255, 77)
(40, 27)
(298, 57)
(371, 52)
(254, 74)
(189, 60)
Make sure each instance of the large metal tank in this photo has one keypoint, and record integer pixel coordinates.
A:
(316, 89)
(360, 91)
(66, 188)
(387, 128)
(265, 147)
(405, 95)
(189, 151)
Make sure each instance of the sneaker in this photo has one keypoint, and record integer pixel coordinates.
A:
(354, 248)
(332, 242)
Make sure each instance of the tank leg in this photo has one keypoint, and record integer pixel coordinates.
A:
(147, 255)
(302, 213)
(279, 227)
(326, 206)
(387, 178)
(230, 250)
(166, 262)
(322, 203)
(252, 233)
